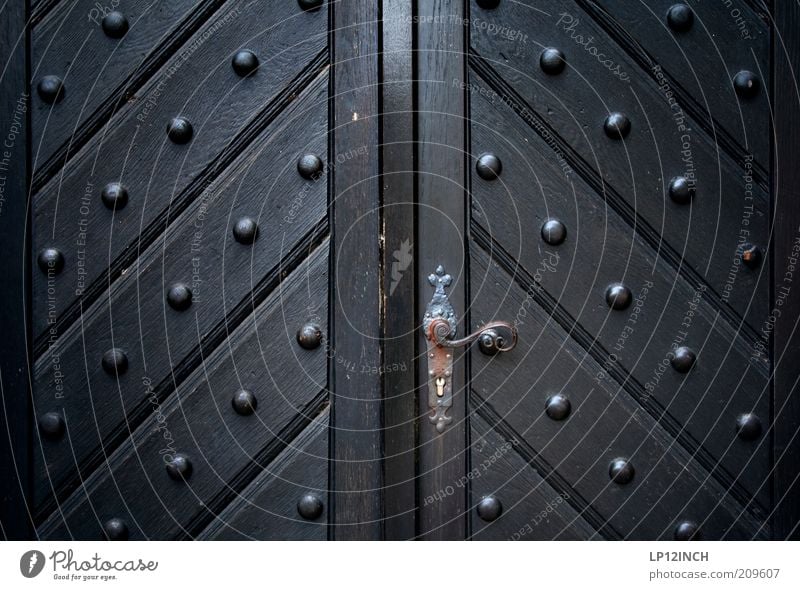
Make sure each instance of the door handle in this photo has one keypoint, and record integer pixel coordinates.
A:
(440, 327)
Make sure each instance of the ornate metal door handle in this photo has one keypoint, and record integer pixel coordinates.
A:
(439, 325)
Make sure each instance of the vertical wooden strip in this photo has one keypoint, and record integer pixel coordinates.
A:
(356, 280)
(397, 182)
(442, 240)
(786, 276)
(15, 425)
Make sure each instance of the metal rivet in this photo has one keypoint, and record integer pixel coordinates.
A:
(617, 126)
(310, 507)
(680, 18)
(618, 296)
(552, 61)
(244, 62)
(50, 259)
(179, 297)
(246, 230)
(180, 467)
(51, 425)
(309, 166)
(488, 4)
(687, 531)
(554, 232)
(244, 402)
(746, 84)
(748, 426)
(115, 25)
(489, 509)
(51, 89)
(115, 529)
(490, 342)
(179, 130)
(307, 5)
(557, 407)
(621, 471)
(115, 361)
(683, 359)
(681, 191)
(488, 166)
(309, 336)
(751, 256)
(114, 196)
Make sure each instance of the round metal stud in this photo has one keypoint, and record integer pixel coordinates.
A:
(310, 507)
(179, 468)
(751, 256)
(621, 471)
(115, 529)
(557, 407)
(748, 426)
(309, 166)
(617, 126)
(618, 296)
(307, 5)
(246, 230)
(115, 361)
(489, 509)
(681, 190)
(746, 84)
(50, 259)
(114, 196)
(680, 18)
(554, 232)
(51, 425)
(179, 297)
(488, 4)
(552, 61)
(309, 336)
(687, 531)
(683, 359)
(50, 89)
(244, 402)
(179, 130)
(489, 166)
(490, 342)
(115, 25)
(244, 63)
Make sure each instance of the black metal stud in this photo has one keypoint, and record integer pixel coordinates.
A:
(746, 84)
(115, 361)
(179, 130)
(683, 359)
(309, 336)
(115, 25)
(179, 297)
(246, 230)
(680, 18)
(681, 190)
(51, 425)
(180, 467)
(307, 5)
(490, 342)
(554, 232)
(552, 61)
(309, 166)
(310, 507)
(244, 63)
(488, 4)
(617, 126)
(748, 426)
(50, 259)
(621, 471)
(687, 531)
(751, 256)
(114, 196)
(115, 529)
(618, 296)
(244, 402)
(489, 509)
(488, 166)
(50, 89)
(557, 407)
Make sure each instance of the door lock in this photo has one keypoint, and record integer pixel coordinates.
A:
(439, 325)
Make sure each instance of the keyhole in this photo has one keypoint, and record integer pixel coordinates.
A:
(440, 386)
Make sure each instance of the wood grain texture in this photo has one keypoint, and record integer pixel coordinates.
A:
(261, 355)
